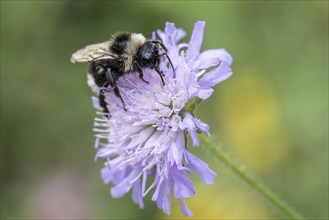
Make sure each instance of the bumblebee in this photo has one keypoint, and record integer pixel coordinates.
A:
(124, 53)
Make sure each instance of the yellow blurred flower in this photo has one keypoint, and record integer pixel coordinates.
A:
(213, 202)
(251, 122)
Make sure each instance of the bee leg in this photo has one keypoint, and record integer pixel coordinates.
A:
(117, 93)
(103, 104)
(141, 74)
(159, 71)
(111, 79)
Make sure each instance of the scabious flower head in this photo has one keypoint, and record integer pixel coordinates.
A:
(146, 143)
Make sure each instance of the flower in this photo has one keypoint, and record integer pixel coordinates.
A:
(147, 141)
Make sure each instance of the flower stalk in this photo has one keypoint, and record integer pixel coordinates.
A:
(260, 188)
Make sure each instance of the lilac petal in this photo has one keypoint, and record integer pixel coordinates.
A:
(153, 35)
(204, 93)
(194, 135)
(125, 184)
(162, 196)
(111, 175)
(169, 31)
(173, 34)
(172, 154)
(106, 175)
(137, 193)
(183, 186)
(201, 125)
(164, 201)
(139, 139)
(191, 128)
(170, 38)
(165, 35)
(161, 35)
(184, 208)
(201, 168)
(187, 121)
(215, 76)
(118, 176)
(144, 180)
(105, 153)
(196, 41)
(214, 57)
(159, 186)
(179, 34)
(119, 190)
(176, 150)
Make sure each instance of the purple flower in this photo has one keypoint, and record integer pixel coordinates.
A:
(147, 142)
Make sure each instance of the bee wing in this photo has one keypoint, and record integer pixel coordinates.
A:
(93, 52)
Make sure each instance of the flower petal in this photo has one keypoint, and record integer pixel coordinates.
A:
(124, 185)
(184, 208)
(110, 175)
(105, 153)
(214, 57)
(201, 125)
(204, 93)
(201, 168)
(215, 76)
(183, 186)
(173, 34)
(137, 193)
(196, 41)
(194, 135)
(170, 38)
(175, 153)
(119, 190)
(162, 196)
(191, 128)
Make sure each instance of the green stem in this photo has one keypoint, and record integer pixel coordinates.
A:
(266, 193)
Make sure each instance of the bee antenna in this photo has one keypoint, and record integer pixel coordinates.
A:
(172, 66)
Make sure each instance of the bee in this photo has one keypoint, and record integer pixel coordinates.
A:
(124, 53)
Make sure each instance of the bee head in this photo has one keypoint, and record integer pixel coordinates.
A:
(148, 55)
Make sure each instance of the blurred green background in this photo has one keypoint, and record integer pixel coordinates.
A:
(271, 115)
